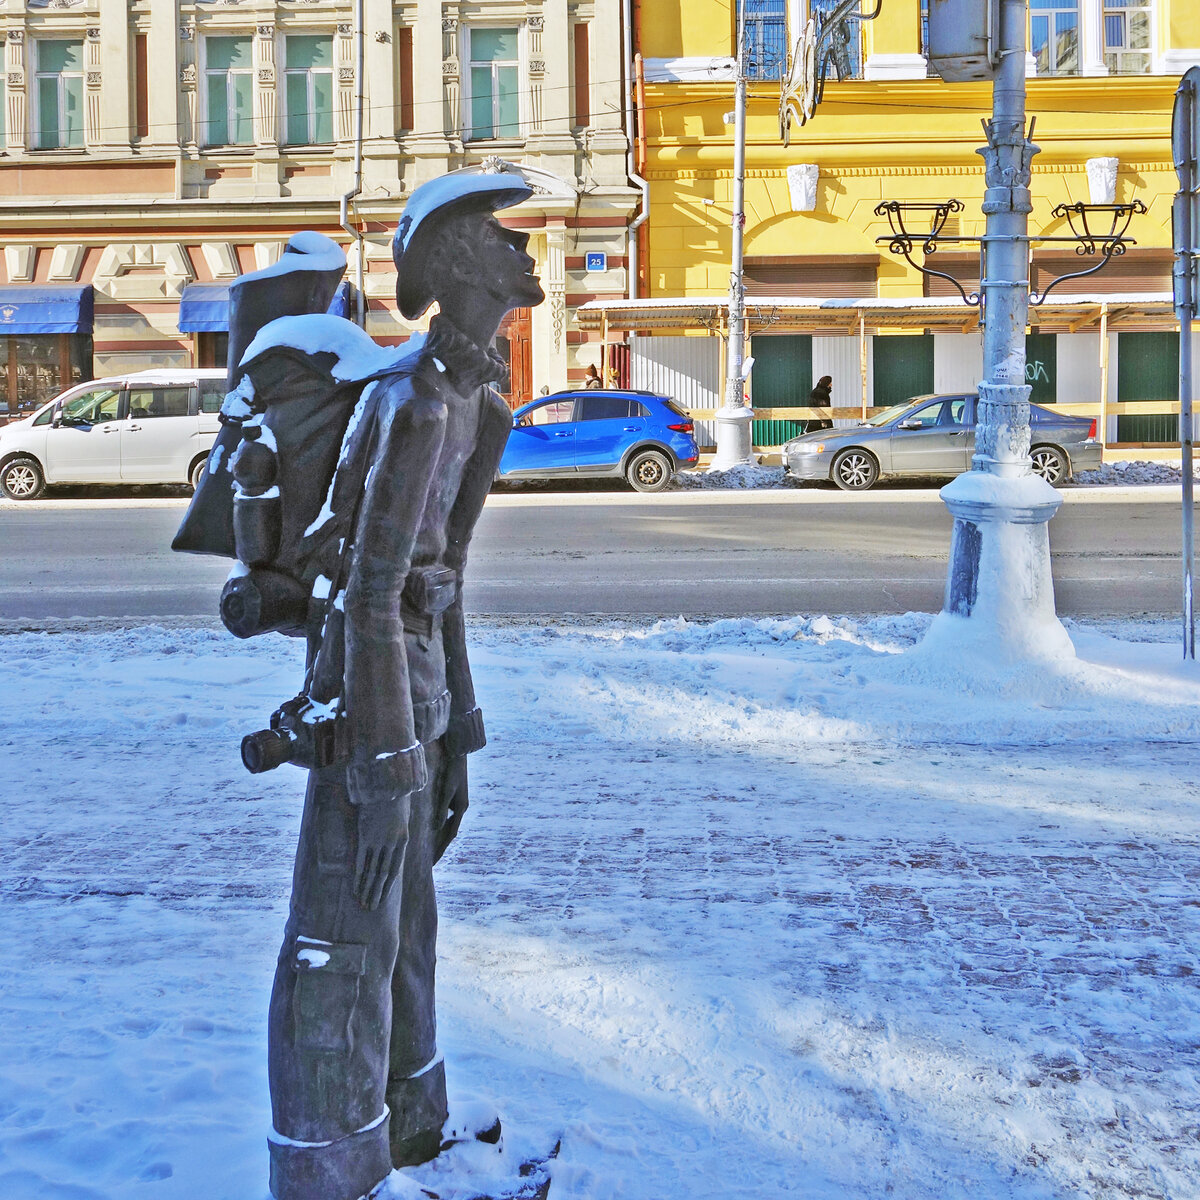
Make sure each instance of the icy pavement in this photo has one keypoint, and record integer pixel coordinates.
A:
(759, 909)
(1116, 474)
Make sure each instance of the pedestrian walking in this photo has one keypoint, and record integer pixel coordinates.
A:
(592, 378)
(820, 397)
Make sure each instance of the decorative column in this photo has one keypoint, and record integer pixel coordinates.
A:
(188, 130)
(344, 46)
(452, 118)
(554, 279)
(265, 102)
(92, 136)
(14, 78)
(534, 27)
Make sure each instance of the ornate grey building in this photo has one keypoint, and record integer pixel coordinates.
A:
(154, 149)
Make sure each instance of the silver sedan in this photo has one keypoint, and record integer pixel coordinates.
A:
(934, 435)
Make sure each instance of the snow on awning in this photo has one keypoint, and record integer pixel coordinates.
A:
(834, 315)
(45, 308)
(204, 307)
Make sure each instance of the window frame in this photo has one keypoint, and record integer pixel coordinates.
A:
(228, 73)
(61, 78)
(467, 121)
(1050, 15)
(311, 113)
(1146, 53)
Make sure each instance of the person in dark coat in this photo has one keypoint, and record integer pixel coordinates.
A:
(592, 378)
(819, 397)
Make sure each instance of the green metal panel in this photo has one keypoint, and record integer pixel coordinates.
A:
(1041, 367)
(903, 367)
(1148, 369)
(775, 433)
(782, 375)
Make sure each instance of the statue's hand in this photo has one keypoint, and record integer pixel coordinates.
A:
(382, 834)
(452, 804)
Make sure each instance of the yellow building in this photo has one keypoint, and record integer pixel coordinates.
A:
(825, 296)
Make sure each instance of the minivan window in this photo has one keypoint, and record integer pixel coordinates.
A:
(92, 408)
(212, 395)
(147, 402)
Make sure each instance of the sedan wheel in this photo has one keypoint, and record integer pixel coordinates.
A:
(649, 471)
(22, 479)
(855, 470)
(1050, 464)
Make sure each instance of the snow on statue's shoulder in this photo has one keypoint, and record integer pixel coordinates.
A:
(358, 355)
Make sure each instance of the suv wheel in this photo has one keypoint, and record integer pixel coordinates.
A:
(649, 471)
(22, 479)
(197, 472)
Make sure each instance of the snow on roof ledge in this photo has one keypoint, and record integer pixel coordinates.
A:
(878, 302)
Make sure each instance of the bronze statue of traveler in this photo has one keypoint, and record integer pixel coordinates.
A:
(387, 716)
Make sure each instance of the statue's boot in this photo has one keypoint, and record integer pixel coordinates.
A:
(418, 1105)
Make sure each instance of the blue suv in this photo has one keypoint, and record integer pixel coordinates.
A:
(601, 434)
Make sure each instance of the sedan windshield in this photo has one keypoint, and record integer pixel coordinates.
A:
(889, 414)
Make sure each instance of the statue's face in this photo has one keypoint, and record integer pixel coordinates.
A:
(500, 263)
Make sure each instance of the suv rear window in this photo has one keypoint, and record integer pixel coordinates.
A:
(680, 412)
(602, 408)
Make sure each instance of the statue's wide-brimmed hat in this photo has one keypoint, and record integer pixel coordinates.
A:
(428, 206)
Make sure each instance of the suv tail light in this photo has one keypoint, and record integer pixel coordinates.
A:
(686, 427)
(1092, 429)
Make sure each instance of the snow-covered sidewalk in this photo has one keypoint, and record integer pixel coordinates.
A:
(755, 909)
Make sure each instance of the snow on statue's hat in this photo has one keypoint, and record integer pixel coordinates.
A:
(423, 213)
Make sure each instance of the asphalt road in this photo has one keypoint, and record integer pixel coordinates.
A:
(611, 552)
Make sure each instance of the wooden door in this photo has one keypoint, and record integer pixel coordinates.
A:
(515, 345)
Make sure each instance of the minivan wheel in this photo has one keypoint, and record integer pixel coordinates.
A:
(1050, 464)
(197, 472)
(855, 470)
(22, 479)
(649, 471)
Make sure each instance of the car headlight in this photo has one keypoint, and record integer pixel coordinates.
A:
(805, 447)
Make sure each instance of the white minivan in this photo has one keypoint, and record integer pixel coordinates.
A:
(149, 427)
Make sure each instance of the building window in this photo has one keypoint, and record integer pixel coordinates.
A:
(228, 91)
(407, 109)
(495, 111)
(59, 79)
(308, 98)
(34, 368)
(1127, 37)
(1054, 36)
(766, 38)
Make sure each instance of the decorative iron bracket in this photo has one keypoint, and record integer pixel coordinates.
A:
(902, 240)
(1111, 243)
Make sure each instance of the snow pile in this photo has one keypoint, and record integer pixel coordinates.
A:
(1119, 474)
(762, 908)
(1125, 474)
(736, 477)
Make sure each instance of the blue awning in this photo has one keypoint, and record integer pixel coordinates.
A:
(204, 307)
(46, 308)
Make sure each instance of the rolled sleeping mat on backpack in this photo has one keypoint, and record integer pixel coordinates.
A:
(258, 601)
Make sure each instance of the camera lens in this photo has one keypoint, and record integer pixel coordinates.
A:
(266, 750)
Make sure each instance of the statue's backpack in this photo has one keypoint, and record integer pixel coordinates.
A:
(289, 469)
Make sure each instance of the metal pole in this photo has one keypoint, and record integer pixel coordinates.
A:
(999, 577)
(735, 419)
(1185, 140)
(344, 214)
